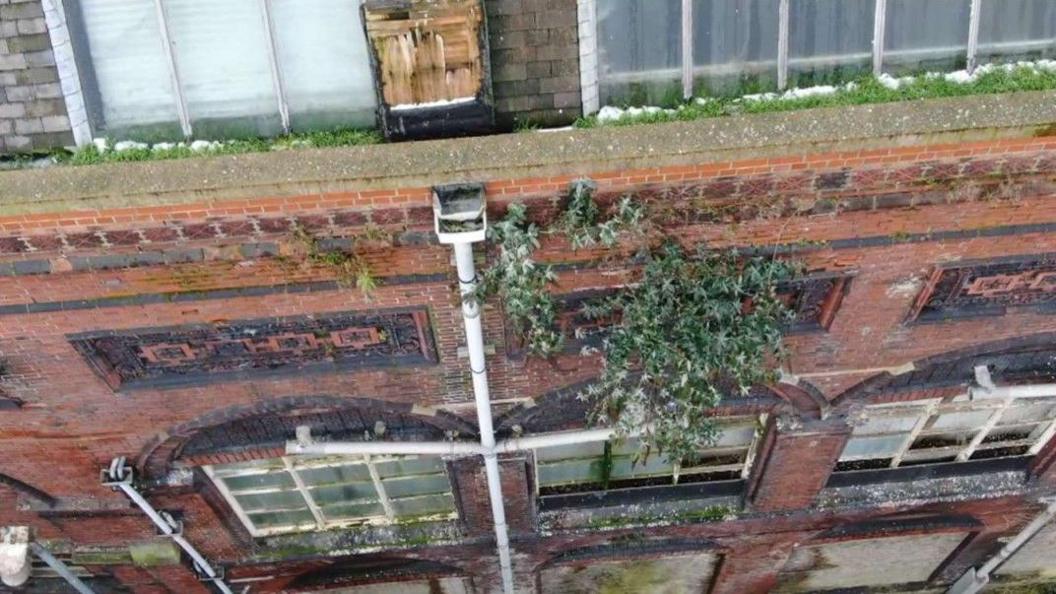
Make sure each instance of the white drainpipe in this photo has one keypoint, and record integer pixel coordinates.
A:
(119, 476)
(986, 390)
(975, 579)
(305, 446)
(467, 283)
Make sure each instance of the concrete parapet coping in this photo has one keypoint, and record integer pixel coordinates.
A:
(538, 154)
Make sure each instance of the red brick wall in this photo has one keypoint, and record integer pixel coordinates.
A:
(929, 205)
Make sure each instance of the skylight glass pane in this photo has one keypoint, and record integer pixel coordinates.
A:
(579, 450)
(574, 471)
(416, 485)
(345, 492)
(289, 520)
(280, 500)
(626, 467)
(273, 480)
(353, 511)
(884, 422)
(872, 447)
(961, 420)
(430, 504)
(736, 435)
(1028, 413)
(410, 466)
(334, 475)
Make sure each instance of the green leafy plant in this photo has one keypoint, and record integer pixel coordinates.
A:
(349, 265)
(521, 283)
(691, 330)
(579, 219)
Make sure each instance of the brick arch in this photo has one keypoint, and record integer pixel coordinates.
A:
(618, 550)
(562, 410)
(260, 430)
(369, 569)
(1024, 359)
(27, 490)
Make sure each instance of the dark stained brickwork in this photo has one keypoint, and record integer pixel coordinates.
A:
(534, 61)
(32, 109)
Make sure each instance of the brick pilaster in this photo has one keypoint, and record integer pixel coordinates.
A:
(795, 462)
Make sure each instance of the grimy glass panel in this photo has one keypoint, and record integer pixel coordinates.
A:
(1011, 30)
(829, 41)
(926, 35)
(221, 52)
(284, 500)
(130, 69)
(640, 51)
(735, 46)
(249, 482)
(282, 520)
(322, 55)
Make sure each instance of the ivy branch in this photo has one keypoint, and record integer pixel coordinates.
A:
(579, 220)
(521, 283)
(690, 331)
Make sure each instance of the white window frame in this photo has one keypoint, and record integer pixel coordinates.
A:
(743, 468)
(292, 466)
(929, 410)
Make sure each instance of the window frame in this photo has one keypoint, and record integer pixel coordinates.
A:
(293, 466)
(742, 468)
(927, 412)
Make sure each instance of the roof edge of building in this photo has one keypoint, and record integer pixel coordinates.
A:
(876, 127)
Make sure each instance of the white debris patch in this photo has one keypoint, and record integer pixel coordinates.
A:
(129, 145)
(431, 104)
(615, 114)
(612, 114)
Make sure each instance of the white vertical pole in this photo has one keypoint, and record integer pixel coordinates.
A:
(879, 21)
(973, 33)
(174, 73)
(782, 45)
(687, 49)
(467, 284)
(590, 94)
(273, 62)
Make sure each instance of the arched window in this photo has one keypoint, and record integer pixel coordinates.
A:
(242, 452)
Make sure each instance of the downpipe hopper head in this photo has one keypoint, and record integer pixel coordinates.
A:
(15, 563)
(460, 213)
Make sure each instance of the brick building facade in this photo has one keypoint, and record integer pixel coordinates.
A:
(166, 312)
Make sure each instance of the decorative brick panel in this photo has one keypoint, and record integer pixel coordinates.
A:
(990, 288)
(154, 357)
